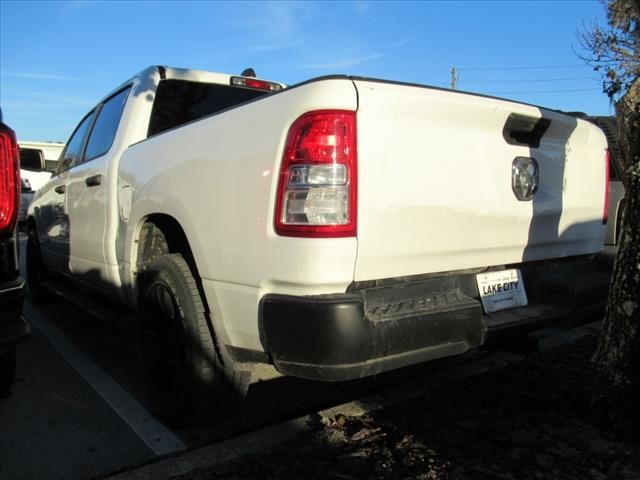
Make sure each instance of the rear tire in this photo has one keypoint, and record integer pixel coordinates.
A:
(7, 371)
(186, 381)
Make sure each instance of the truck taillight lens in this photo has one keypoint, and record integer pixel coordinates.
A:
(9, 179)
(317, 188)
(607, 167)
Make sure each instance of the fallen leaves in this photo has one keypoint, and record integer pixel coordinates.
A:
(526, 421)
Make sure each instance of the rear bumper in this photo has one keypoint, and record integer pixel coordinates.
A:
(372, 329)
(334, 339)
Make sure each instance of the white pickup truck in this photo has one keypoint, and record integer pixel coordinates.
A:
(338, 228)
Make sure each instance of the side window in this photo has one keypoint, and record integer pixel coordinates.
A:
(104, 131)
(73, 153)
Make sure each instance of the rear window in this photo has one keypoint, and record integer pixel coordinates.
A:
(180, 101)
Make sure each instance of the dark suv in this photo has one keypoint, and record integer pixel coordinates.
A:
(13, 329)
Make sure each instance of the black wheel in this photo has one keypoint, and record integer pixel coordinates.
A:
(7, 371)
(186, 381)
(36, 271)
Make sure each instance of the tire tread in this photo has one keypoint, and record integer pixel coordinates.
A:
(227, 386)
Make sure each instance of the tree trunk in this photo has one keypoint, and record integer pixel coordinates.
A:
(616, 400)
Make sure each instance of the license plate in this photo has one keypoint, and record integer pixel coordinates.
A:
(501, 290)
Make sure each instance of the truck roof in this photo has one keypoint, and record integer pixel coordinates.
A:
(151, 73)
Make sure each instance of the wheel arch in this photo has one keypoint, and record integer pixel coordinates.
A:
(159, 234)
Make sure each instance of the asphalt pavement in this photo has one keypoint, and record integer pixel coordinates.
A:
(56, 426)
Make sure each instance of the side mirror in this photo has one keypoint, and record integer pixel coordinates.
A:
(32, 159)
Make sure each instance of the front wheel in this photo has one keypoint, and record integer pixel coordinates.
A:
(186, 381)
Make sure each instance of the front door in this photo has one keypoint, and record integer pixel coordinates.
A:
(50, 210)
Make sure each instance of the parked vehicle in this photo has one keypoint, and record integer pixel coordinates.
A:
(616, 188)
(13, 329)
(30, 152)
(609, 126)
(37, 161)
(26, 196)
(338, 229)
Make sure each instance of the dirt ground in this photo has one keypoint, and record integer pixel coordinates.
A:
(528, 420)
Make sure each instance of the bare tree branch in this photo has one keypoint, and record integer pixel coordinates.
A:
(614, 51)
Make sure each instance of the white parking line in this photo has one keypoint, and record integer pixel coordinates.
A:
(154, 434)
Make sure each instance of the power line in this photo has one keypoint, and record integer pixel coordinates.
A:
(538, 67)
(431, 75)
(565, 79)
(546, 91)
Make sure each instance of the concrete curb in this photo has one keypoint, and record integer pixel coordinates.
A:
(274, 435)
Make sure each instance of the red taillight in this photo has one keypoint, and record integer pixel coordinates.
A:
(9, 179)
(317, 187)
(607, 161)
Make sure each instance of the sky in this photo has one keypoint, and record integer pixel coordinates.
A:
(58, 59)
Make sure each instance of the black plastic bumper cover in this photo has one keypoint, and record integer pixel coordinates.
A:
(332, 339)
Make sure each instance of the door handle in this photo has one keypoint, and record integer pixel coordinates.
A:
(60, 189)
(94, 181)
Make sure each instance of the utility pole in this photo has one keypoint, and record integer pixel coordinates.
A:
(454, 78)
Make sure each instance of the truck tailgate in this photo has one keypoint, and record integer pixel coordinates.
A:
(435, 182)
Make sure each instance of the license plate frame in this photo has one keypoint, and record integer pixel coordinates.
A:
(501, 290)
